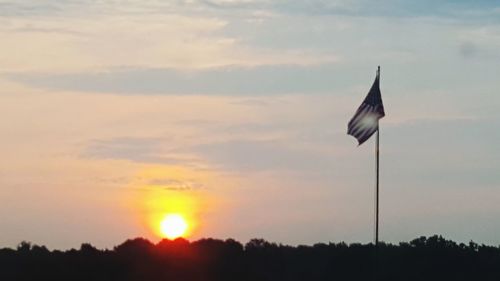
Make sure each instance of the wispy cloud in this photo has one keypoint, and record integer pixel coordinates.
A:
(140, 150)
(255, 81)
(473, 10)
(174, 184)
(399, 8)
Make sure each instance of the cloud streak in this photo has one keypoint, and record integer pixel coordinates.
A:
(255, 81)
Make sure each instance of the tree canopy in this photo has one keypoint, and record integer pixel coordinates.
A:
(424, 258)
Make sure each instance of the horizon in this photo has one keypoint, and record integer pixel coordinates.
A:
(160, 241)
(232, 115)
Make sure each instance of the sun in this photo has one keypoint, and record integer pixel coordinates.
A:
(173, 226)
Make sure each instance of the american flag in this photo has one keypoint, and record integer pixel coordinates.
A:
(365, 121)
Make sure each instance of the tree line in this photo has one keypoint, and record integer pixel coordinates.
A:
(424, 258)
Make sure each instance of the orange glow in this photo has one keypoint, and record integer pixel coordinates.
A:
(173, 226)
(163, 209)
(170, 200)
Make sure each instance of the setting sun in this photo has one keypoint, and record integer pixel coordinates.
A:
(173, 226)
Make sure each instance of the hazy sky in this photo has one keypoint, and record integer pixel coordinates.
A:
(234, 113)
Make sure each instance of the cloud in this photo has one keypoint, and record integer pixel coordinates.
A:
(255, 81)
(480, 42)
(473, 10)
(174, 185)
(465, 147)
(72, 44)
(310, 7)
(272, 155)
(235, 155)
(28, 8)
(468, 49)
(145, 35)
(140, 150)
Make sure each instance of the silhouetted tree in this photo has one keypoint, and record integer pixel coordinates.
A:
(424, 258)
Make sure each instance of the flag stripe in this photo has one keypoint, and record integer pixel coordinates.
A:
(357, 119)
(358, 123)
(359, 115)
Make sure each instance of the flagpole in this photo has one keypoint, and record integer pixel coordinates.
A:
(377, 153)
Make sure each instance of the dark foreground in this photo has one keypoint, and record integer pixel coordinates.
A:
(431, 258)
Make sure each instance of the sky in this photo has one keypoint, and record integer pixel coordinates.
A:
(234, 113)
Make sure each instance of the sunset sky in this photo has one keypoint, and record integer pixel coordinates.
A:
(234, 113)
